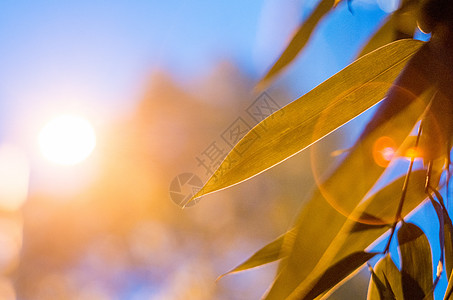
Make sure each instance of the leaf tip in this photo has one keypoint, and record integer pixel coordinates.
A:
(221, 276)
(262, 84)
(192, 200)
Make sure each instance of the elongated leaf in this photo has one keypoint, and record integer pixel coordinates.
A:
(380, 290)
(299, 40)
(449, 291)
(448, 230)
(379, 209)
(433, 138)
(301, 123)
(337, 272)
(447, 239)
(349, 240)
(269, 253)
(313, 253)
(416, 262)
(440, 215)
(386, 281)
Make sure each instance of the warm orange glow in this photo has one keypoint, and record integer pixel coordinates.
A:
(11, 240)
(67, 140)
(383, 151)
(412, 153)
(14, 175)
(7, 291)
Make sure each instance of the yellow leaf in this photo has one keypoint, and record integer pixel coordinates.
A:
(312, 253)
(269, 253)
(296, 126)
(416, 262)
(298, 42)
(387, 274)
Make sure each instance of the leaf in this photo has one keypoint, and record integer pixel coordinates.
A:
(383, 203)
(311, 253)
(449, 291)
(337, 272)
(433, 139)
(385, 282)
(299, 40)
(416, 262)
(297, 125)
(440, 215)
(448, 230)
(348, 240)
(448, 233)
(269, 253)
(379, 290)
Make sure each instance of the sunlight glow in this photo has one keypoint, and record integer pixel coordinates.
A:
(412, 153)
(67, 140)
(383, 151)
(14, 176)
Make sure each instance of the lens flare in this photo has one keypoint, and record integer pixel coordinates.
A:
(412, 153)
(384, 149)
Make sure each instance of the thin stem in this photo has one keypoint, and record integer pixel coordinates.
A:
(440, 215)
(428, 177)
(448, 173)
(403, 195)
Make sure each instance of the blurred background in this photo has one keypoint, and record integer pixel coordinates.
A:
(112, 111)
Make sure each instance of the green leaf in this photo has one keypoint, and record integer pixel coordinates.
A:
(416, 262)
(269, 253)
(385, 282)
(299, 41)
(337, 272)
(301, 123)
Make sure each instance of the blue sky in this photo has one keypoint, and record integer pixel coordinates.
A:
(100, 52)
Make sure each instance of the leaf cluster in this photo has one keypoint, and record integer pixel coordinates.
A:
(412, 82)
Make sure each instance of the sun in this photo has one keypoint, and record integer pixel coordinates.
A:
(67, 140)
